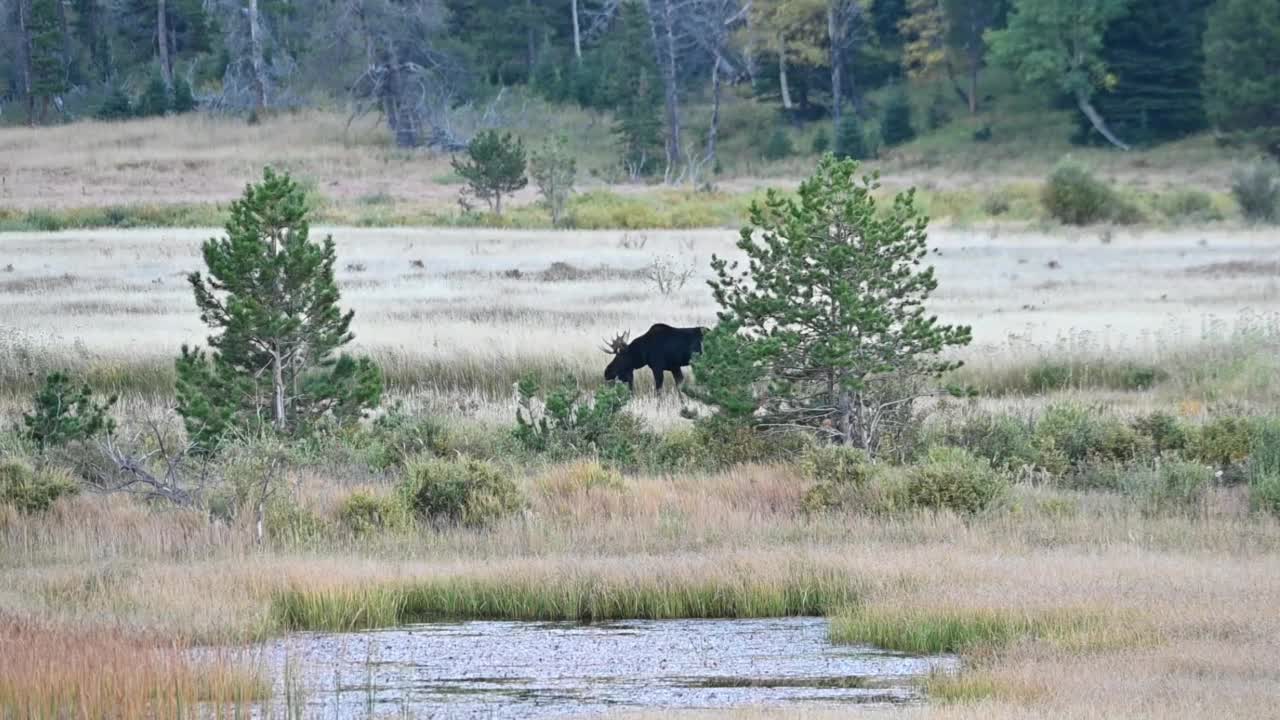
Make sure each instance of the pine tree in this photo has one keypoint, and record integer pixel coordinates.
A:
(554, 170)
(896, 126)
(632, 89)
(851, 141)
(826, 323)
(63, 413)
(494, 166)
(1242, 85)
(270, 293)
(1155, 55)
(48, 69)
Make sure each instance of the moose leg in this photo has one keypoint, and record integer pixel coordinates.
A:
(678, 375)
(657, 379)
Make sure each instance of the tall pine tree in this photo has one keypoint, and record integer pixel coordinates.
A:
(1154, 53)
(271, 293)
(48, 66)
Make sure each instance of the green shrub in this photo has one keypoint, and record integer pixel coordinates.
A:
(63, 413)
(1073, 195)
(155, 99)
(467, 492)
(955, 479)
(726, 442)
(568, 426)
(288, 522)
(1257, 191)
(1222, 442)
(364, 513)
(895, 126)
(116, 106)
(1264, 466)
(778, 146)
(1189, 204)
(851, 139)
(395, 437)
(938, 115)
(821, 142)
(184, 101)
(836, 464)
(1067, 430)
(1007, 442)
(1165, 431)
(33, 490)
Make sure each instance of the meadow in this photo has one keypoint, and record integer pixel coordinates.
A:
(1120, 398)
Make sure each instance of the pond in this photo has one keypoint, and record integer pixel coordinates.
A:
(524, 669)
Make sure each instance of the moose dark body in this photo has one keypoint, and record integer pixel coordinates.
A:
(662, 349)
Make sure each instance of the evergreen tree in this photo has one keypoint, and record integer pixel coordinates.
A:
(63, 413)
(155, 100)
(554, 170)
(271, 295)
(895, 126)
(48, 68)
(1242, 83)
(632, 89)
(494, 166)
(1154, 55)
(826, 326)
(851, 141)
(184, 101)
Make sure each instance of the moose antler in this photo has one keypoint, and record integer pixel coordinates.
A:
(617, 344)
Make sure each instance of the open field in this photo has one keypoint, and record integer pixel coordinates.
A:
(1063, 601)
(183, 170)
(463, 314)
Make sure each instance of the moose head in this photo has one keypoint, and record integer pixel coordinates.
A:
(618, 369)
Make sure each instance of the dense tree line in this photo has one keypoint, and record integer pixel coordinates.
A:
(1136, 71)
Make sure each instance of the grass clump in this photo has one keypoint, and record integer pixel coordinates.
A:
(961, 630)
(33, 490)
(1257, 190)
(1075, 196)
(365, 513)
(955, 479)
(587, 595)
(1188, 205)
(451, 492)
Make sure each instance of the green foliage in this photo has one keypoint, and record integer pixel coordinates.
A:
(778, 146)
(271, 293)
(33, 490)
(630, 86)
(395, 437)
(1257, 191)
(1073, 195)
(1166, 432)
(895, 125)
(1154, 56)
(494, 166)
(48, 72)
(851, 139)
(63, 413)
(116, 106)
(1242, 52)
(833, 332)
(1188, 204)
(1057, 43)
(364, 513)
(821, 142)
(1222, 442)
(567, 426)
(1180, 487)
(554, 170)
(1006, 441)
(955, 479)
(184, 100)
(467, 492)
(155, 100)
(1069, 435)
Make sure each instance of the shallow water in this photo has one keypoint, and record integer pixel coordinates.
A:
(523, 669)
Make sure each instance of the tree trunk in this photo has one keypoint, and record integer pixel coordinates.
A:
(255, 51)
(1096, 120)
(833, 40)
(497, 204)
(162, 44)
(667, 43)
(277, 357)
(782, 76)
(25, 31)
(714, 128)
(577, 33)
(975, 66)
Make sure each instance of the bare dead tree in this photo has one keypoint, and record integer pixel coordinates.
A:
(255, 58)
(168, 472)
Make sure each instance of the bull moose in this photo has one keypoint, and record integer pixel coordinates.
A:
(662, 349)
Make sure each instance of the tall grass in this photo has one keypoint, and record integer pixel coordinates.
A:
(560, 594)
(48, 671)
(959, 630)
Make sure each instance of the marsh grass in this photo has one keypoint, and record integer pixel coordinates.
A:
(564, 595)
(961, 630)
(48, 671)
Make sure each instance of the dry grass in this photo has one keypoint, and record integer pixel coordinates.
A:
(1105, 611)
(48, 671)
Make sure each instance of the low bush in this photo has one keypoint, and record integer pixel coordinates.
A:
(395, 437)
(32, 490)
(1164, 431)
(567, 425)
(955, 479)
(581, 476)
(466, 492)
(1188, 205)
(364, 513)
(1264, 466)
(1073, 195)
(778, 146)
(1007, 442)
(896, 127)
(1223, 442)
(1257, 191)
(725, 442)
